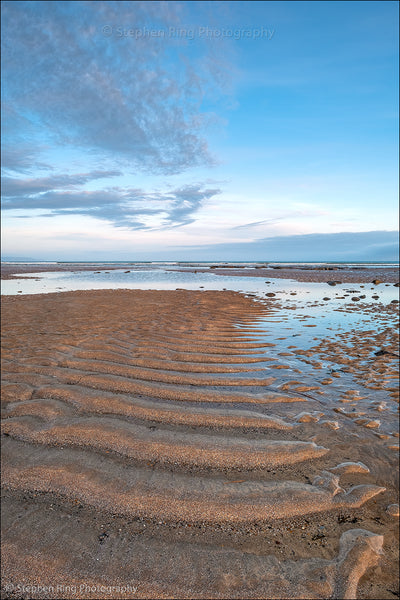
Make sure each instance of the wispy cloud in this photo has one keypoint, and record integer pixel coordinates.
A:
(257, 223)
(132, 208)
(13, 186)
(118, 94)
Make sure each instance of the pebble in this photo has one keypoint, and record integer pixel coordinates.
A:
(350, 467)
(393, 510)
(330, 424)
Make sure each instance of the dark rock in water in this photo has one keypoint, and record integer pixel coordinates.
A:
(382, 352)
(375, 297)
(355, 298)
(333, 282)
(377, 281)
(270, 294)
(325, 298)
(126, 271)
(363, 296)
(267, 282)
(394, 302)
(396, 284)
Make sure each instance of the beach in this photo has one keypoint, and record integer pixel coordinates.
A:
(163, 444)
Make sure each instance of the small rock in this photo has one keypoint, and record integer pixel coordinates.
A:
(394, 302)
(393, 510)
(330, 424)
(329, 482)
(377, 281)
(370, 424)
(270, 294)
(350, 467)
(306, 417)
(355, 298)
(383, 351)
(326, 298)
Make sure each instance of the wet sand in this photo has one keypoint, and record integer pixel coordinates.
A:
(324, 274)
(154, 441)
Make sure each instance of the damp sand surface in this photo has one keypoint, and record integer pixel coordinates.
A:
(183, 444)
(339, 274)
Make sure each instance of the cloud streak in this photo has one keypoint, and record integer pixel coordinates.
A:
(132, 208)
(13, 186)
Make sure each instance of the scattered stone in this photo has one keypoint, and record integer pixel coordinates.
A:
(329, 482)
(350, 467)
(394, 302)
(326, 298)
(373, 424)
(376, 281)
(382, 352)
(393, 510)
(330, 424)
(306, 417)
(381, 406)
(270, 294)
(355, 299)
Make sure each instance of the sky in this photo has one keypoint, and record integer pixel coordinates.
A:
(200, 130)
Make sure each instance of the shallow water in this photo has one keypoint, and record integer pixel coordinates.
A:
(165, 279)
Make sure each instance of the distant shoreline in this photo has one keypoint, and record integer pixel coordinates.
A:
(318, 272)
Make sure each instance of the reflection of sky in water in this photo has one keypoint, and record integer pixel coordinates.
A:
(156, 278)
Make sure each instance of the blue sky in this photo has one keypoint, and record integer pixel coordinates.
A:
(188, 130)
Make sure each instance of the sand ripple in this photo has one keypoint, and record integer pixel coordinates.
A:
(144, 445)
